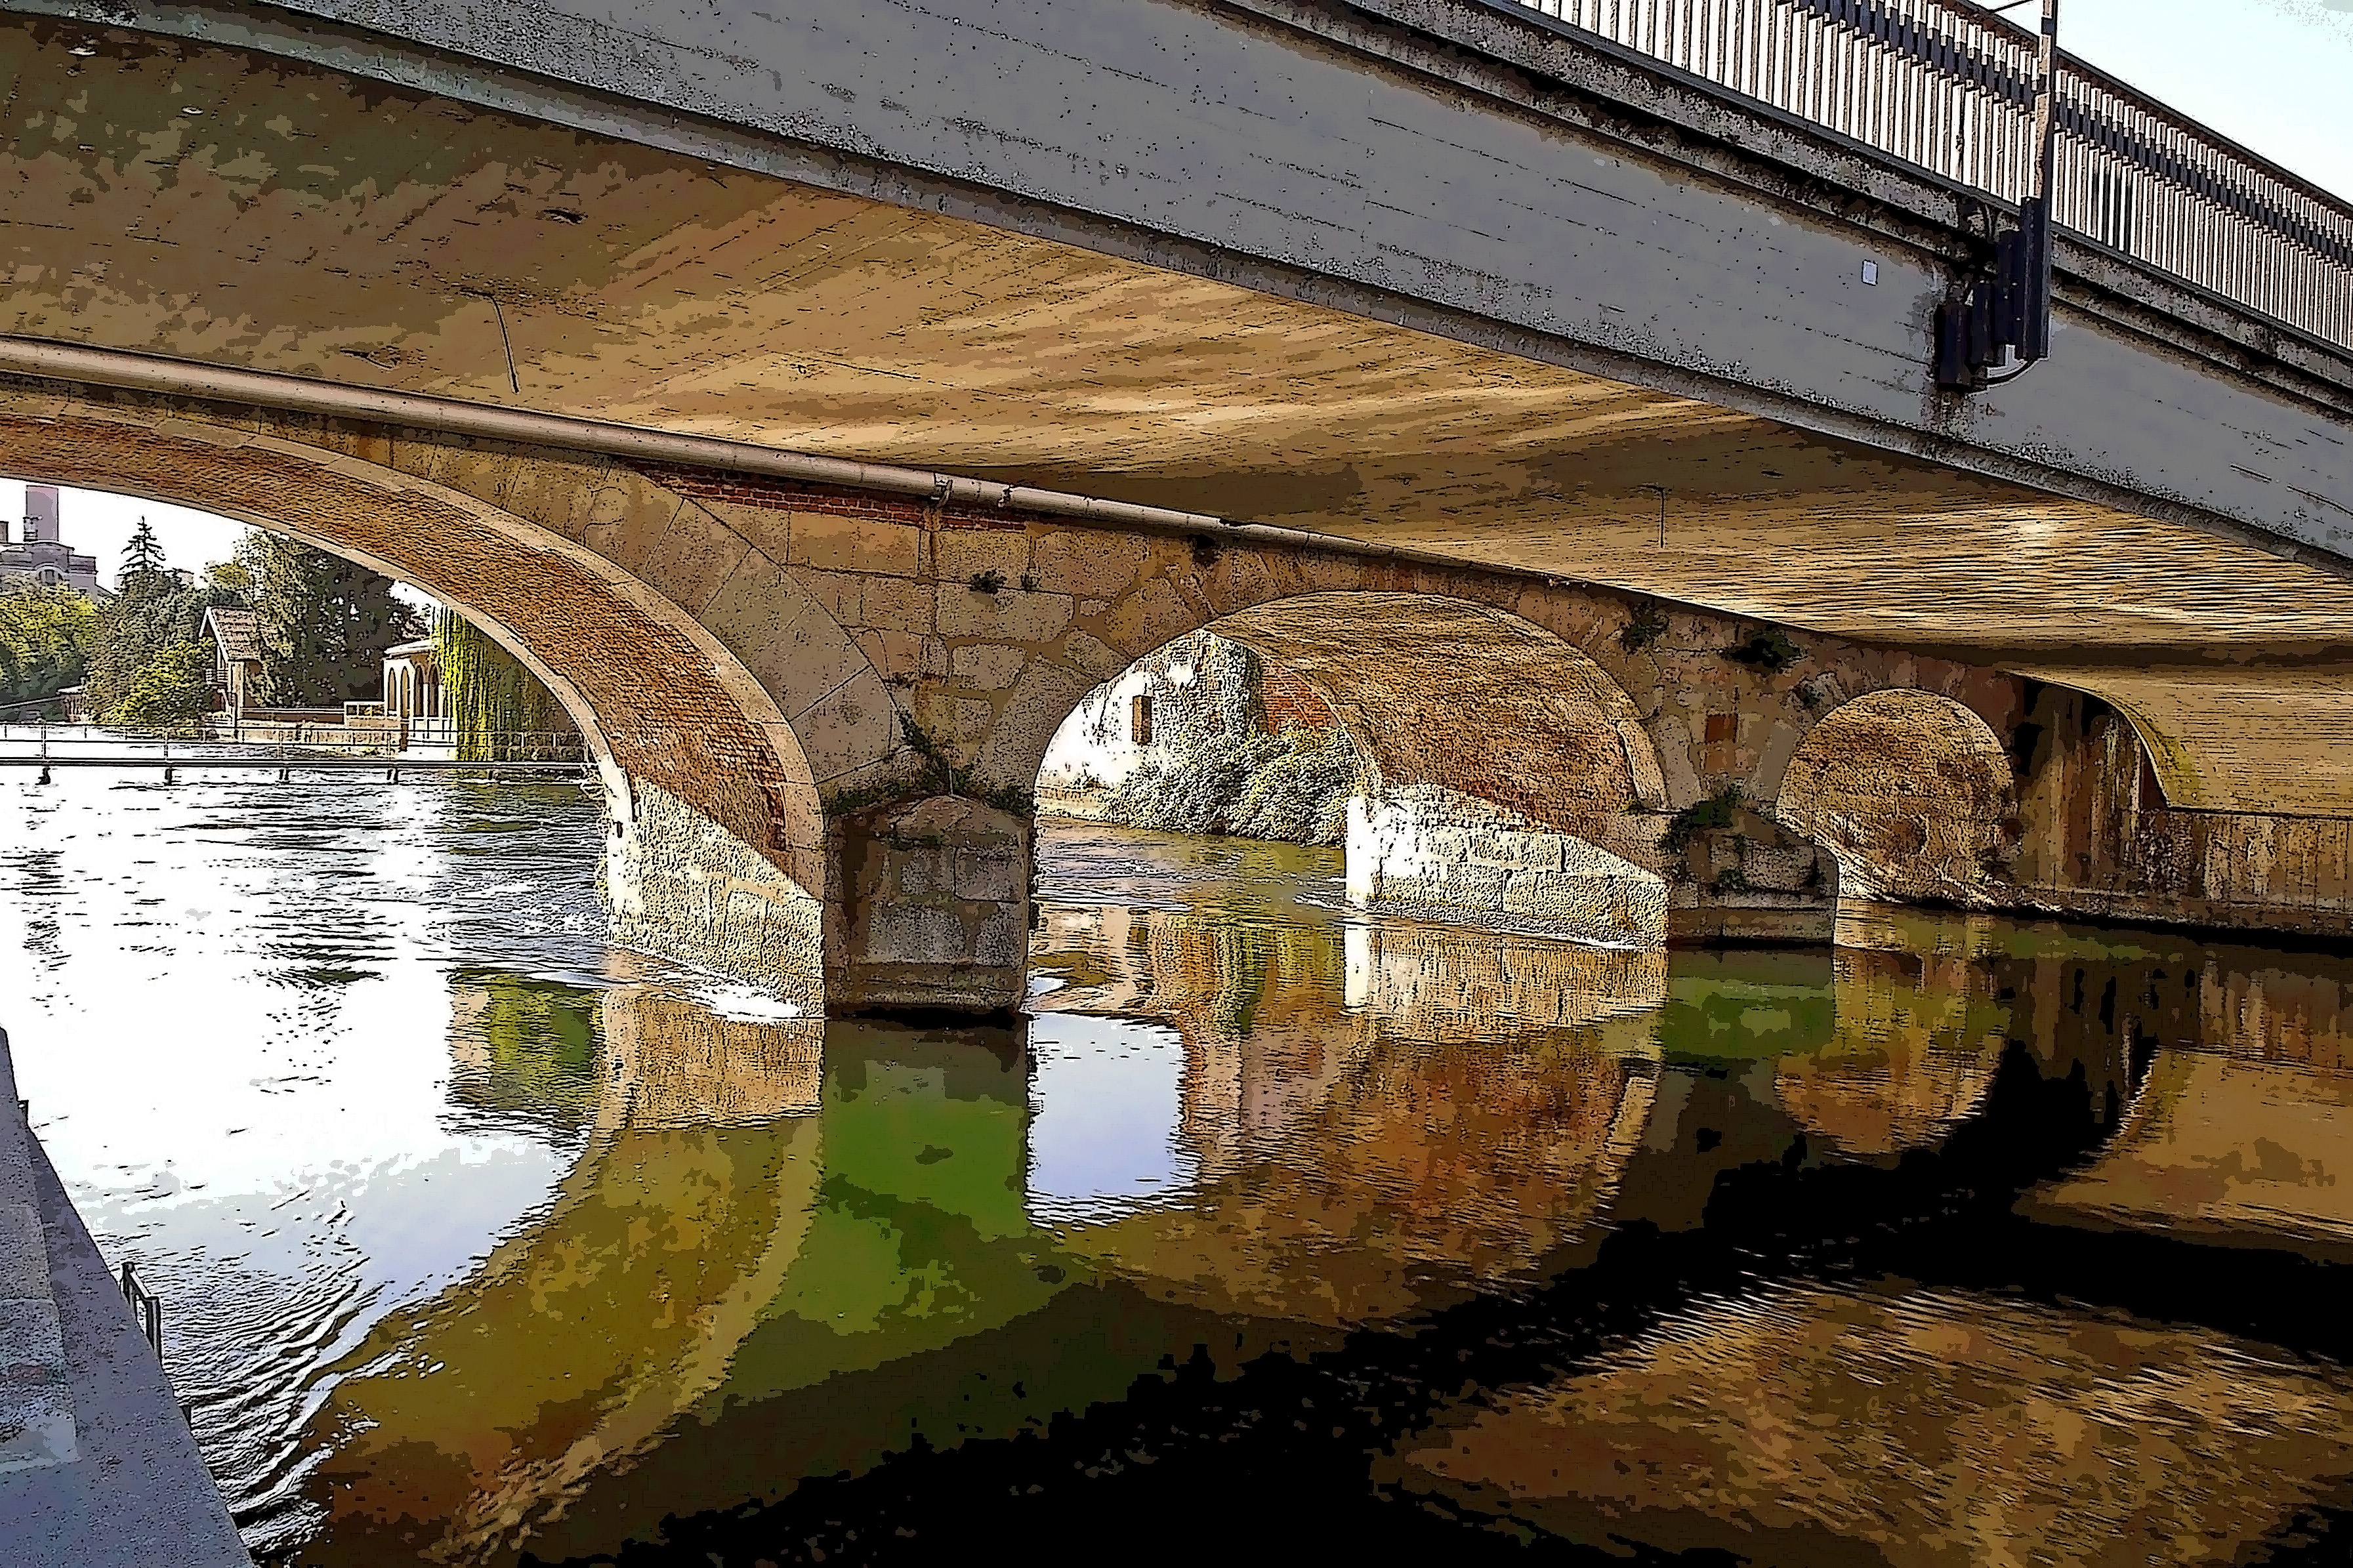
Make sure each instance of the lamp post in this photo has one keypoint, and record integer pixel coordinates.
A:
(2011, 310)
(2034, 213)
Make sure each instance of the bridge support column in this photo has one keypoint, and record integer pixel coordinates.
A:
(1423, 850)
(679, 886)
(932, 910)
(1745, 880)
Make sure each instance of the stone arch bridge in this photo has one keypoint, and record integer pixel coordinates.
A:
(817, 708)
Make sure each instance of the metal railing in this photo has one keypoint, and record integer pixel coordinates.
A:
(146, 1309)
(1945, 87)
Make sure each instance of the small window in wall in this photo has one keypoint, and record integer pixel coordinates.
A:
(1139, 721)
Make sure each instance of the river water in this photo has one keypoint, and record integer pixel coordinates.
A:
(1268, 1229)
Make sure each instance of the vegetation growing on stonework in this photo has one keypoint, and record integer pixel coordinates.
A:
(493, 700)
(46, 637)
(1648, 625)
(1292, 788)
(1768, 648)
(1711, 815)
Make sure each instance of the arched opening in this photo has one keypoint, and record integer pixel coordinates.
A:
(717, 854)
(1913, 794)
(1502, 777)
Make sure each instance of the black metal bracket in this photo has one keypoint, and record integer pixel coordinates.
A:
(2004, 315)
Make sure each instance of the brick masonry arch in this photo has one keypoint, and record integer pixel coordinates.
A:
(1913, 792)
(846, 695)
(719, 849)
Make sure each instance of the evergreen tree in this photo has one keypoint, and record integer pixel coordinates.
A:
(324, 624)
(154, 617)
(142, 558)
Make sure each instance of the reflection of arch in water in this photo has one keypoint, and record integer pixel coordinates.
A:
(1412, 1107)
(1914, 1045)
(1911, 791)
(713, 802)
(2227, 1149)
(471, 1420)
(1929, 1428)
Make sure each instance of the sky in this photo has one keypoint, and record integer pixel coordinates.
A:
(96, 523)
(99, 524)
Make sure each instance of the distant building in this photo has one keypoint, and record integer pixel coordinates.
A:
(412, 688)
(41, 559)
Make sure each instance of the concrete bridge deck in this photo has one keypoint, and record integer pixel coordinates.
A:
(98, 1468)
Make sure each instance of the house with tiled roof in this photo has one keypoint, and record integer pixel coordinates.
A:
(237, 659)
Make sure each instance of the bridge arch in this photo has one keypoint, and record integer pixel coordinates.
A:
(1508, 778)
(1446, 692)
(1912, 792)
(718, 854)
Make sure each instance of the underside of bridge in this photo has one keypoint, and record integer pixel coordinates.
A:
(169, 196)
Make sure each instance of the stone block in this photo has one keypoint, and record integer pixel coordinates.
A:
(1012, 616)
(872, 545)
(915, 933)
(473, 471)
(697, 554)
(850, 729)
(898, 604)
(627, 519)
(1089, 657)
(841, 595)
(797, 651)
(1089, 564)
(1153, 616)
(985, 667)
(958, 555)
(556, 495)
(1044, 696)
(1004, 938)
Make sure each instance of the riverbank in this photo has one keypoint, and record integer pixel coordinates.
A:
(98, 1467)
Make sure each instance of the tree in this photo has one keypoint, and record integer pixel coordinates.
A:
(47, 638)
(324, 624)
(232, 580)
(492, 697)
(143, 558)
(152, 617)
(171, 693)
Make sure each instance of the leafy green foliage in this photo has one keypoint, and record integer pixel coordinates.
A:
(942, 776)
(171, 694)
(492, 697)
(1293, 788)
(1648, 625)
(1714, 812)
(151, 621)
(1766, 648)
(324, 624)
(46, 637)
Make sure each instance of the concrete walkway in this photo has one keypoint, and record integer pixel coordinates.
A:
(97, 1467)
